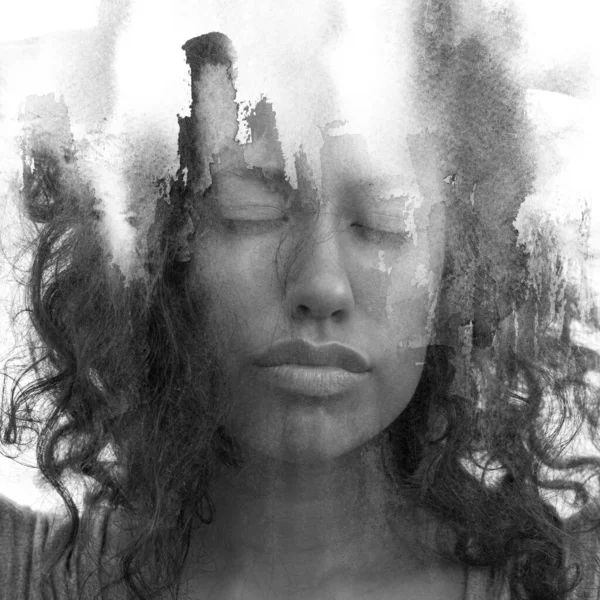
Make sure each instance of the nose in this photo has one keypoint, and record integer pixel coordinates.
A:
(317, 285)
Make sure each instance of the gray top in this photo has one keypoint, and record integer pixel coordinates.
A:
(26, 535)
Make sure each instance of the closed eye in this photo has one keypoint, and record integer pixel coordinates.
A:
(381, 228)
(250, 198)
(253, 212)
(255, 220)
(379, 236)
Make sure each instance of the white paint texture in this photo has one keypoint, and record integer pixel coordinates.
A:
(37, 17)
(564, 210)
(316, 62)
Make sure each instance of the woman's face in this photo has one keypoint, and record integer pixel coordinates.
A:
(320, 288)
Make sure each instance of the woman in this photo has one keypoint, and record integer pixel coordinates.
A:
(314, 383)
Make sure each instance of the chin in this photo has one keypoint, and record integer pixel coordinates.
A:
(306, 430)
(299, 445)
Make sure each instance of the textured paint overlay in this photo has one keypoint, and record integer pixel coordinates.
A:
(479, 150)
(329, 70)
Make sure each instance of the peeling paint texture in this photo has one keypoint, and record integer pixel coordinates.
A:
(505, 170)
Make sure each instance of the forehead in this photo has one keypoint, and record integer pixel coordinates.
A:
(321, 126)
(327, 68)
(317, 62)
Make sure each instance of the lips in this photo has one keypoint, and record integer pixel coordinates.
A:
(303, 353)
(303, 369)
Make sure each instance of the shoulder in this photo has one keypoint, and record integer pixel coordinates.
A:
(23, 537)
(29, 540)
(583, 553)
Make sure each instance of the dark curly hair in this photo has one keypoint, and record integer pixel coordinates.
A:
(478, 446)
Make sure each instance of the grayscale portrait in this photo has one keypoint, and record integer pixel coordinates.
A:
(299, 301)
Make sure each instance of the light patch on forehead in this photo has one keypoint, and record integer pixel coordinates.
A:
(215, 115)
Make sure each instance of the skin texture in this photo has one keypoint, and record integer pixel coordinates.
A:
(351, 273)
(353, 256)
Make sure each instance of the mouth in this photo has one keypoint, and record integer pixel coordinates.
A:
(300, 367)
(301, 352)
(310, 381)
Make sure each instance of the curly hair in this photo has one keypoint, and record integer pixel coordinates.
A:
(128, 413)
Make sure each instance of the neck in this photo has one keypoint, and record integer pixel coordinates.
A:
(310, 519)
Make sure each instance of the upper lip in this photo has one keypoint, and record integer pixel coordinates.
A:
(302, 352)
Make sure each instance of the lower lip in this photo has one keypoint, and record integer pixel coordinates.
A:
(311, 381)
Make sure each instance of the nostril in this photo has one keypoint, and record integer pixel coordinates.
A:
(302, 310)
(338, 315)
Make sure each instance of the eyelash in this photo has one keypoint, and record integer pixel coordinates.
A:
(378, 236)
(255, 227)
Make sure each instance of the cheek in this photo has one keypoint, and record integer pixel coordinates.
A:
(398, 290)
(238, 279)
(411, 301)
